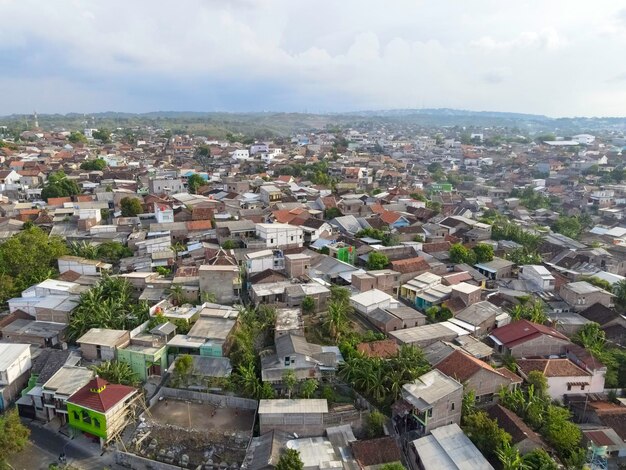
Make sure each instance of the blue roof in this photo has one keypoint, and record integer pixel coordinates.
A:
(321, 243)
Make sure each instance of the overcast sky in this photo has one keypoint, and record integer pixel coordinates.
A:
(559, 58)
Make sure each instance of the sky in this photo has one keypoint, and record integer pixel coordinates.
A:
(552, 57)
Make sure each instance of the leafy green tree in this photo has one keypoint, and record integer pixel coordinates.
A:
(393, 466)
(131, 207)
(339, 294)
(308, 304)
(568, 226)
(485, 433)
(26, 258)
(308, 388)
(113, 251)
(522, 256)
(375, 424)
(377, 260)
(59, 185)
(290, 381)
(459, 254)
(503, 229)
(117, 372)
(183, 367)
(103, 135)
(290, 460)
(194, 181)
(539, 459)
(619, 289)
(13, 436)
(560, 431)
(539, 382)
(332, 212)
(228, 245)
(483, 252)
(438, 314)
(77, 137)
(328, 394)
(94, 165)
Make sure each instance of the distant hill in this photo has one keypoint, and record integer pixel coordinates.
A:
(269, 124)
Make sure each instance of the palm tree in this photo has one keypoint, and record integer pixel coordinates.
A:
(510, 458)
(116, 372)
(178, 294)
(619, 289)
(336, 321)
(83, 249)
(290, 381)
(208, 297)
(395, 381)
(248, 380)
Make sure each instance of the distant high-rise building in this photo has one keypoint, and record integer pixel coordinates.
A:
(36, 124)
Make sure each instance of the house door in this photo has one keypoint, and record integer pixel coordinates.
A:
(154, 369)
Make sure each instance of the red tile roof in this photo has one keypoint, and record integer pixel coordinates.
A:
(521, 331)
(436, 247)
(100, 395)
(376, 451)
(410, 265)
(462, 366)
(552, 367)
(385, 348)
(389, 217)
(199, 225)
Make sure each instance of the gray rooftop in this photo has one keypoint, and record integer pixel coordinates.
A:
(429, 388)
(449, 448)
(102, 337)
(293, 406)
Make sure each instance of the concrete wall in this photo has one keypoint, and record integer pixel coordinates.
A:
(580, 302)
(297, 267)
(305, 425)
(219, 283)
(218, 400)
(51, 315)
(446, 411)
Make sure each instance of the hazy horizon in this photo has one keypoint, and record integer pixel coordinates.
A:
(74, 56)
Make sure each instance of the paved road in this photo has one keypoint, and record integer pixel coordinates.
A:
(47, 444)
(54, 442)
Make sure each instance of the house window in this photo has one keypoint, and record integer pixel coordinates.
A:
(271, 240)
(96, 422)
(85, 417)
(287, 361)
(76, 415)
(452, 407)
(569, 387)
(292, 238)
(430, 413)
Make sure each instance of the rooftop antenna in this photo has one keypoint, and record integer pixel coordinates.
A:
(36, 120)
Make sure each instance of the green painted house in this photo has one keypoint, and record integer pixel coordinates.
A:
(101, 409)
(144, 360)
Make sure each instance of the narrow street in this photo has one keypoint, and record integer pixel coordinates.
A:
(47, 445)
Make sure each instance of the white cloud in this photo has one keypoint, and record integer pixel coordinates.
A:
(534, 56)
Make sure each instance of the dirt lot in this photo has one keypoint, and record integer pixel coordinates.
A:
(201, 417)
(200, 431)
